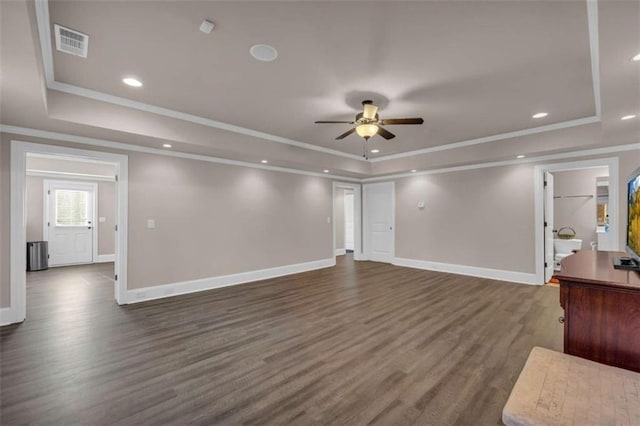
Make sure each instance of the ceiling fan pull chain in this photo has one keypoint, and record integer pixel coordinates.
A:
(364, 149)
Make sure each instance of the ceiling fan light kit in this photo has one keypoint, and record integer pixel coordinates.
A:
(366, 130)
(368, 124)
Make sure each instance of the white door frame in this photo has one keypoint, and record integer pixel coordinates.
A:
(46, 212)
(358, 253)
(365, 219)
(538, 188)
(18, 276)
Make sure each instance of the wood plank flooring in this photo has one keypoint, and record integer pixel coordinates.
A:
(360, 343)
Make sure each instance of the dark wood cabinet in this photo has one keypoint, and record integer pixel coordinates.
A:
(601, 309)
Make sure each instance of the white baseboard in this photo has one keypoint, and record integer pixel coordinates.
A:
(186, 287)
(341, 252)
(103, 258)
(474, 271)
(7, 316)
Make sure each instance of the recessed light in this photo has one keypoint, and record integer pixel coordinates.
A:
(628, 117)
(540, 115)
(264, 161)
(326, 171)
(375, 151)
(413, 171)
(133, 82)
(263, 52)
(636, 58)
(166, 145)
(520, 156)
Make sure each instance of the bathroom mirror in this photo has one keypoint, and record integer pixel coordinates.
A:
(602, 194)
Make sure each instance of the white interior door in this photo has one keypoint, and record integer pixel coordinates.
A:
(69, 218)
(379, 238)
(548, 226)
(349, 229)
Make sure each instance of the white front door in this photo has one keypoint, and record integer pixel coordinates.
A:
(549, 257)
(379, 238)
(69, 222)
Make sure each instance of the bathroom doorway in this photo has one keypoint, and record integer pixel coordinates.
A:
(347, 232)
(576, 209)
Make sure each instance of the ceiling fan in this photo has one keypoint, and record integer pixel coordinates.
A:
(368, 123)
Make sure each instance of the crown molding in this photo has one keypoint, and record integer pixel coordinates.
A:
(83, 140)
(63, 137)
(594, 48)
(44, 32)
(550, 157)
(502, 136)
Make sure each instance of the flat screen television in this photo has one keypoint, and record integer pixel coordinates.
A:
(632, 246)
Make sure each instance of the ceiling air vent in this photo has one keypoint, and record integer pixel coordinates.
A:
(71, 41)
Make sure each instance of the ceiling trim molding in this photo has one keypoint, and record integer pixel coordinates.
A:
(550, 157)
(69, 175)
(83, 140)
(594, 47)
(502, 136)
(44, 34)
(44, 31)
(166, 112)
(63, 137)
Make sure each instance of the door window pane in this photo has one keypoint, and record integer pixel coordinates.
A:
(71, 207)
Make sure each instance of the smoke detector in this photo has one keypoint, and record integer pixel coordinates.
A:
(71, 41)
(207, 26)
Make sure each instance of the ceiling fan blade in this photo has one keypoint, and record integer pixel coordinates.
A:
(334, 122)
(345, 134)
(402, 121)
(385, 133)
(370, 111)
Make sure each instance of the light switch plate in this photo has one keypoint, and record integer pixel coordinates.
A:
(102, 219)
(151, 224)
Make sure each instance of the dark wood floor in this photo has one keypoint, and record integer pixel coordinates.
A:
(361, 343)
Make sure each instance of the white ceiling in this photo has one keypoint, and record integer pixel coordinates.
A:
(476, 71)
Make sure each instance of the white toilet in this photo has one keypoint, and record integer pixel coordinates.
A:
(564, 248)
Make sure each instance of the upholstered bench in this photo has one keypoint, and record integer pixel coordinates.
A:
(559, 389)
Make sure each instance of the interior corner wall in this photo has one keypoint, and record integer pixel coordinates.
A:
(5, 212)
(480, 218)
(578, 213)
(339, 218)
(106, 209)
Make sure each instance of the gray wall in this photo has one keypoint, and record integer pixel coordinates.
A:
(106, 209)
(215, 219)
(481, 217)
(339, 217)
(577, 213)
(5, 290)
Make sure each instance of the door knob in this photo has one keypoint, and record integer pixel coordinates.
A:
(561, 320)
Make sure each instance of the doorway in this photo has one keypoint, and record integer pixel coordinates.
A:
(570, 205)
(347, 214)
(78, 194)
